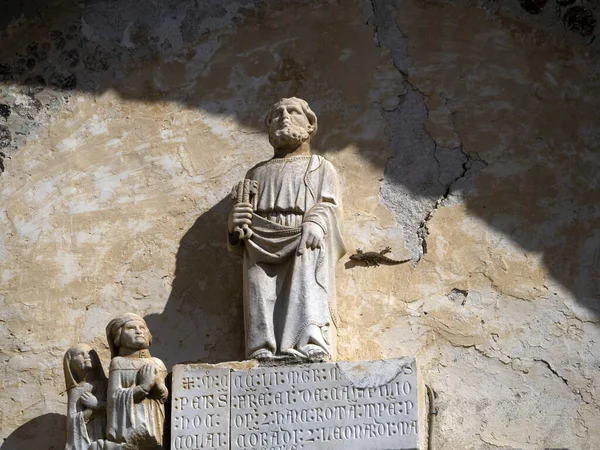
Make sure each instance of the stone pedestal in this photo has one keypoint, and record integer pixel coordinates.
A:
(360, 405)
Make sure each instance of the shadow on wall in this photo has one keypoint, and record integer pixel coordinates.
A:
(191, 315)
(47, 432)
(186, 52)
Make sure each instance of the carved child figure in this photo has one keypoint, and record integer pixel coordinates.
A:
(136, 384)
(86, 391)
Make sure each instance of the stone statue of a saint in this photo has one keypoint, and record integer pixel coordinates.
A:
(287, 226)
(86, 393)
(136, 384)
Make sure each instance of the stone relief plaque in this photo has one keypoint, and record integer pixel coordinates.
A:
(361, 405)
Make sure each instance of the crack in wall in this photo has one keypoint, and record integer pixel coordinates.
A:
(513, 362)
(421, 175)
(516, 364)
(549, 366)
(423, 230)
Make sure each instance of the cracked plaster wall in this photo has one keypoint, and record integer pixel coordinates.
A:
(466, 137)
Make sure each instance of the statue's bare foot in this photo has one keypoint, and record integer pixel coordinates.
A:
(262, 354)
(314, 353)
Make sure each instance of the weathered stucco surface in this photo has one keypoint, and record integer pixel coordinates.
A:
(467, 138)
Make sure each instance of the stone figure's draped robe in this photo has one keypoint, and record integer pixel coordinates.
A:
(285, 292)
(125, 417)
(79, 433)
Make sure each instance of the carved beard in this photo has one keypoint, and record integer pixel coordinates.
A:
(288, 136)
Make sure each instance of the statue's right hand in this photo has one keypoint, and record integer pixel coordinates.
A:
(146, 376)
(239, 217)
(89, 400)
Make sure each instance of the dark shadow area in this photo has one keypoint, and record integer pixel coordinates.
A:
(202, 319)
(167, 429)
(187, 52)
(46, 432)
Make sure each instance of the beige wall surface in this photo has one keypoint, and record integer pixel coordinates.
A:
(467, 138)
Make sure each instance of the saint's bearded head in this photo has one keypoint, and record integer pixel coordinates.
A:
(290, 123)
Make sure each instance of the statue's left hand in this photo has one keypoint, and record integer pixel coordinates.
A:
(88, 414)
(163, 392)
(312, 237)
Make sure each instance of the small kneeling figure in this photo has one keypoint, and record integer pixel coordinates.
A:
(86, 391)
(136, 385)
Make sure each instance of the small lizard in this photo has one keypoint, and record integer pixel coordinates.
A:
(374, 258)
